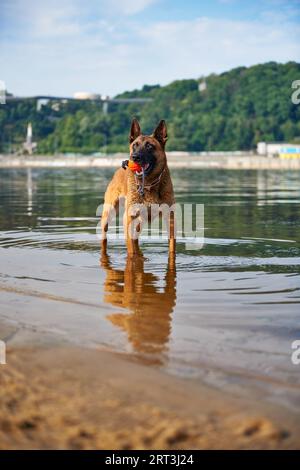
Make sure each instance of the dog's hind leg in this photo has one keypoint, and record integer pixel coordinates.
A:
(108, 211)
(104, 226)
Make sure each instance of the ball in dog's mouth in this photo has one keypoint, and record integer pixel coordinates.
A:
(146, 168)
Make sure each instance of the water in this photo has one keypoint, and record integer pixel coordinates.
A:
(227, 313)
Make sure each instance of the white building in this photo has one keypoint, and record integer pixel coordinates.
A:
(86, 95)
(28, 145)
(274, 149)
(202, 86)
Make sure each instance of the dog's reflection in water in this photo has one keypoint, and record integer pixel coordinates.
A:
(148, 325)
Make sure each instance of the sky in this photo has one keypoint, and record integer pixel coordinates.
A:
(59, 47)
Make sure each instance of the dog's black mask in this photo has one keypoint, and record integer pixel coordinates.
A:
(143, 154)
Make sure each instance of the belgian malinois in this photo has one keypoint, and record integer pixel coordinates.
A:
(144, 182)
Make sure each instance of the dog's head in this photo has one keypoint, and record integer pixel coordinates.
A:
(148, 150)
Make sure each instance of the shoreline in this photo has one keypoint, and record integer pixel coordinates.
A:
(65, 397)
(222, 160)
(58, 395)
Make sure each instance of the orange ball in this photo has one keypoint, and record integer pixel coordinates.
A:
(134, 166)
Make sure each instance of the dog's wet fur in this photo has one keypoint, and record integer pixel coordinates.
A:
(149, 152)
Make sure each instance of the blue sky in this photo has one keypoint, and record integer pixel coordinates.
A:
(108, 46)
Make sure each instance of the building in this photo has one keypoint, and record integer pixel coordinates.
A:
(278, 149)
(28, 145)
(202, 86)
(86, 95)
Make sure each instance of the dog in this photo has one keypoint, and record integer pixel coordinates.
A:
(150, 186)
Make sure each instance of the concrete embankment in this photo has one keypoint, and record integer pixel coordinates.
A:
(175, 160)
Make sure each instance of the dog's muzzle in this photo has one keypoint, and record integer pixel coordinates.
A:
(147, 162)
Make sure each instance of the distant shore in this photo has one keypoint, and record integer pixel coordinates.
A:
(222, 160)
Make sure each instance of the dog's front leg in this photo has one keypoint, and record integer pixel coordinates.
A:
(169, 217)
(172, 239)
(132, 229)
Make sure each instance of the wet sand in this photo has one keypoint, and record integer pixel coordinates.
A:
(58, 397)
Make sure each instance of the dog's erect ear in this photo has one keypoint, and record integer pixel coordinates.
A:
(160, 133)
(135, 130)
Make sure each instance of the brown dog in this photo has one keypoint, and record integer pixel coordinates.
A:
(151, 186)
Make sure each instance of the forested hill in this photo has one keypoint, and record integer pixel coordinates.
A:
(236, 110)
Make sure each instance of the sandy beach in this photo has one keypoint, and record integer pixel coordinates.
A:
(75, 398)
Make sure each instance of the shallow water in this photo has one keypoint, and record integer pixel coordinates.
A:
(227, 313)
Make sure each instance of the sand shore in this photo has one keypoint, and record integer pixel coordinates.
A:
(60, 397)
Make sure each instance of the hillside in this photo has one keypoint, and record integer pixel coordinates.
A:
(236, 110)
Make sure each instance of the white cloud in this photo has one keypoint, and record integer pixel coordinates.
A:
(55, 22)
(40, 19)
(128, 7)
(204, 45)
(61, 54)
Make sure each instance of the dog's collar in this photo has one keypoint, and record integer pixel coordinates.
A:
(141, 187)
